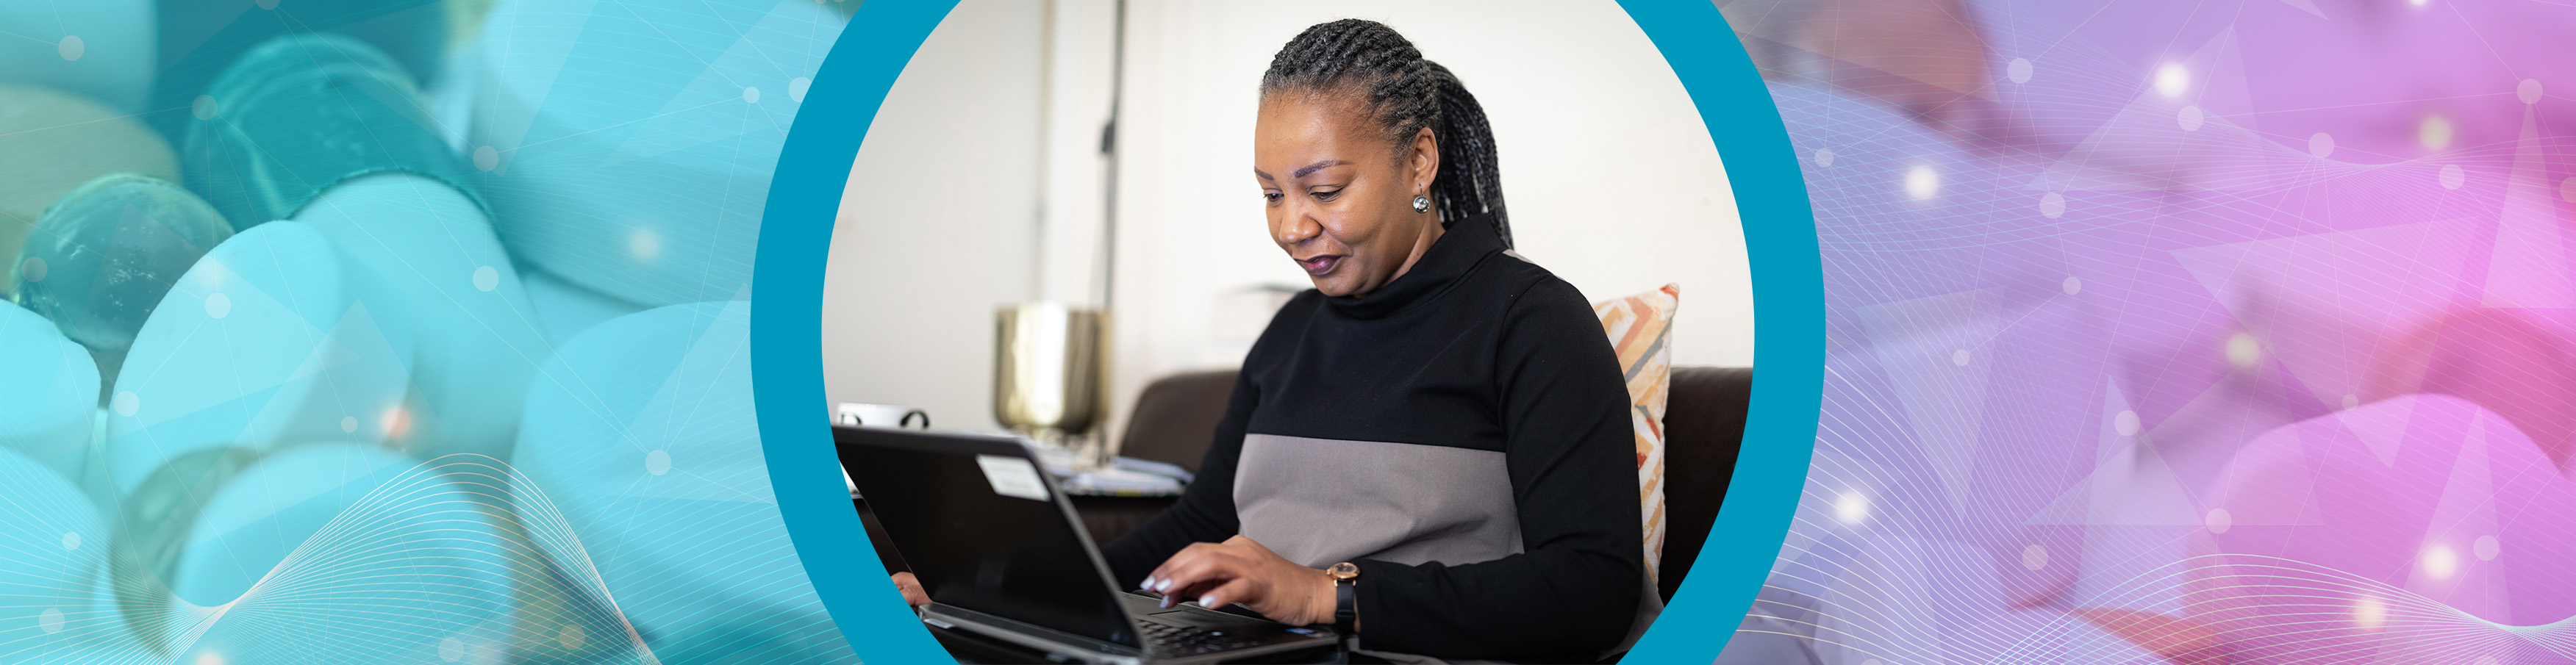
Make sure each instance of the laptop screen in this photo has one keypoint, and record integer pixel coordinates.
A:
(981, 529)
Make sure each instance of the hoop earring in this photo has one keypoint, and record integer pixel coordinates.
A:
(1421, 204)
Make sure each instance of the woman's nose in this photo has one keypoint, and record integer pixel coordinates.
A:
(1296, 228)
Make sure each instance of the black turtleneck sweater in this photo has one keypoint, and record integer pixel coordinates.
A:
(1462, 434)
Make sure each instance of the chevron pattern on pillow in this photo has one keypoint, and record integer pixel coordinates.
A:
(1638, 327)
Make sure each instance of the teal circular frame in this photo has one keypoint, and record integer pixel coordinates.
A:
(1770, 199)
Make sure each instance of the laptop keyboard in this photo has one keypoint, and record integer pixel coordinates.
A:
(1186, 640)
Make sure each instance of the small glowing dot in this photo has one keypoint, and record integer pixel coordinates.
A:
(203, 107)
(2018, 70)
(2172, 80)
(2071, 286)
(2528, 91)
(2218, 520)
(51, 620)
(2125, 422)
(2369, 613)
(1851, 507)
(395, 423)
(657, 462)
(644, 244)
(2440, 562)
(2244, 350)
(486, 158)
(2418, 3)
(451, 649)
(209, 658)
(33, 269)
(126, 403)
(2453, 176)
(2052, 205)
(1959, 357)
(219, 305)
(486, 279)
(1824, 157)
(2034, 557)
(1922, 182)
(2351, 402)
(71, 47)
(2321, 144)
(570, 637)
(2190, 118)
(796, 88)
(2486, 548)
(2434, 132)
(71, 541)
(348, 423)
(750, 95)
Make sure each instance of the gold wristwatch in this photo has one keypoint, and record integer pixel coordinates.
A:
(1346, 611)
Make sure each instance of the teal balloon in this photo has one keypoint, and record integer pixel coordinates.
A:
(642, 431)
(300, 113)
(103, 256)
(100, 49)
(198, 39)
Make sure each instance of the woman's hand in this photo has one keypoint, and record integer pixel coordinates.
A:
(911, 588)
(1240, 571)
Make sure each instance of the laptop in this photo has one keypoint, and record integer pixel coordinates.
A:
(1001, 553)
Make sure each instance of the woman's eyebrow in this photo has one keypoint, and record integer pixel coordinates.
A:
(1302, 171)
(1317, 166)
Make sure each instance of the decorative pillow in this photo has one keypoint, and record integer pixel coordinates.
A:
(1638, 326)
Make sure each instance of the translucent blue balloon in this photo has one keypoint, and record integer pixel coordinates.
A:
(261, 344)
(52, 541)
(360, 554)
(46, 405)
(104, 255)
(423, 258)
(642, 431)
(628, 145)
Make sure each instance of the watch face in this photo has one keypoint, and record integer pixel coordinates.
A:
(1344, 570)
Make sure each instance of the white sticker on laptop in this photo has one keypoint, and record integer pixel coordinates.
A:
(1013, 476)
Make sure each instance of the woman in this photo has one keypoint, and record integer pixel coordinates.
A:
(1439, 414)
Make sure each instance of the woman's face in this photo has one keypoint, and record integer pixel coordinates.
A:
(1340, 200)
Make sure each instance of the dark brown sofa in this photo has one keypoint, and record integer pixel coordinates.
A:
(1703, 425)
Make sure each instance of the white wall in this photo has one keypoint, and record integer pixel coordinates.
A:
(941, 220)
(1611, 178)
(977, 185)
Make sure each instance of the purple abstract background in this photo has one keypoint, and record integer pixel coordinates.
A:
(2191, 332)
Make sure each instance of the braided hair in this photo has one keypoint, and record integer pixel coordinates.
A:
(1405, 93)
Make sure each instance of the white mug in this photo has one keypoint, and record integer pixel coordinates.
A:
(878, 415)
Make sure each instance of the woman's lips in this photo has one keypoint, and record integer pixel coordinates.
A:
(1319, 265)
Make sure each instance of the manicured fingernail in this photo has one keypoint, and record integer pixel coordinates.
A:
(1162, 586)
(1149, 583)
(1167, 602)
(1208, 601)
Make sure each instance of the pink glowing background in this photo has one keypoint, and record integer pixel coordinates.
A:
(2218, 332)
